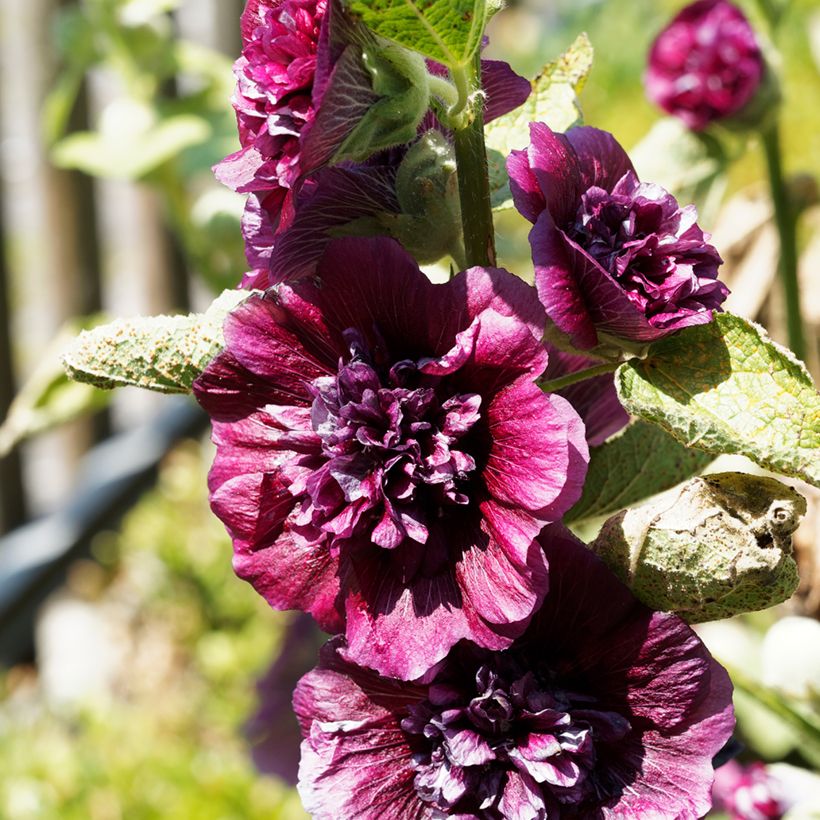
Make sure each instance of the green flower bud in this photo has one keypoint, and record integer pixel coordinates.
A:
(427, 190)
(716, 547)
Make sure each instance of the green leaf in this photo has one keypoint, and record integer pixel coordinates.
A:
(49, 399)
(161, 353)
(449, 31)
(554, 101)
(725, 387)
(132, 141)
(638, 463)
(718, 546)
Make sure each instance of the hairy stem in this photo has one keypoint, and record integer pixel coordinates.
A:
(474, 182)
(448, 93)
(786, 222)
(554, 385)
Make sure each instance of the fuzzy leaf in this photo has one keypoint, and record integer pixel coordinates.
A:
(554, 101)
(638, 463)
(161, 353)
(716, 547)
(725, 387)
(449, 31)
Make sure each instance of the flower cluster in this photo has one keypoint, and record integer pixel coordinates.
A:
(391, 458)
(384, 456)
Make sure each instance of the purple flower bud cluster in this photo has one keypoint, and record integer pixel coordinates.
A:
(388, 461)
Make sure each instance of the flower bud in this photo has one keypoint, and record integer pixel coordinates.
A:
(716, 547)
(427, 189)
(707, 65)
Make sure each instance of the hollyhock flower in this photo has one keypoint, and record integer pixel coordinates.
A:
(601, 709)
(614, 257)
(706, 65)
(274, 95)
(747, 792)
(384, 457)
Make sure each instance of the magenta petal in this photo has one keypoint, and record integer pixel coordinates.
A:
(256, 336)
(558, 287)
(259, 233)
(555, 166)
(255, 444)
(610, 308)
(595, 400)
(501, 588)
(522, 799)
(505, 89)
(539, 453)
(601, 160)
(527, 194)
(355, 764)
(495, 289)
(380, 607)
(467, 748)
(293, 572)
(335, 197)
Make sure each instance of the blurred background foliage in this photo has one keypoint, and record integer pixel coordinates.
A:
(146, 658)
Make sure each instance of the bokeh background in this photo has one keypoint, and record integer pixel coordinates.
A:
(129, 654)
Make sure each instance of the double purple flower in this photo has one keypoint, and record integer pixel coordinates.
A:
(706, 65)
(385, 459)
(601, 709)
(615, 259)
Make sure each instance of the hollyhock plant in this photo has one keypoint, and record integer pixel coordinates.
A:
(615, 258)
(706, 65)
(385, 459)
(601, 709)
(301, 90)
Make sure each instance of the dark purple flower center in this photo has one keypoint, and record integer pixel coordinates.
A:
(651, 247)
(393, 440)
(469, 739)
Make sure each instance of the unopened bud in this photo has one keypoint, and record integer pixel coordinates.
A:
(716, 547)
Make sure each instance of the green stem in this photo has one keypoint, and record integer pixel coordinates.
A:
(446, 91)
(555, 385)
(474, 184)
(785, 219)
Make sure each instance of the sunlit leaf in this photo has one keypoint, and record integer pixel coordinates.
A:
(638, 463)
(554, 101)
(449, 31)
(725, 387)
(160, 353)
